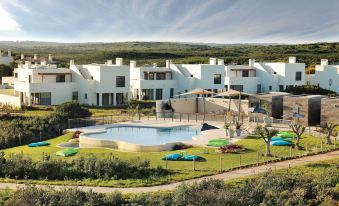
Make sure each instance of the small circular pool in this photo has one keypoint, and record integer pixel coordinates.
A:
(139, 138)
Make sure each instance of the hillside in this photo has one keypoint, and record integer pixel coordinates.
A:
(150, 52)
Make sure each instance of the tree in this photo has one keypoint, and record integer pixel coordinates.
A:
(328, 128)
(298, 130)
(5, 70)
(266, 134)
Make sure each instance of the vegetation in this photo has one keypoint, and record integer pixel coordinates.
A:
(329, 130)
(318, 187)
(5, 71)
(20, 166)
(310, 89)
(157, 52)
(180, 170)
(298, 130)
(23, 130)
(266, 134)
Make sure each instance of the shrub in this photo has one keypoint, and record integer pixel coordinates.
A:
(231, 148)
(76, 135)
(19, 166)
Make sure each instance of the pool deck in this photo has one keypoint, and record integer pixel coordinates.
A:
(200, 140)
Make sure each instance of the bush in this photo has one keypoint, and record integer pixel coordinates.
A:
(19, 166)
(309, 89)
(231, 148)
(16, 131)
(269, 189)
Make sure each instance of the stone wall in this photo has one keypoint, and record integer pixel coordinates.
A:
(329, 110)
(309, 105)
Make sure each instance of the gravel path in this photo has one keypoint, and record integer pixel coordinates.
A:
(223, 176)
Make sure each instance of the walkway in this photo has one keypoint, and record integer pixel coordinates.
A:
(223, 176)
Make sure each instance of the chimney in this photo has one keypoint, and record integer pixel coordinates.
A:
(155, 65)
(324, 62)
(50, 59)
(292, 60)
(133, 64)
(213, 61)
(22, 56)
(251, 62)
(35, 57)
(119, 61)
(71, 62)
(109, 62)
(27, 64)
(221, 62)
(43, 63)
(168, 63)
(9, 53)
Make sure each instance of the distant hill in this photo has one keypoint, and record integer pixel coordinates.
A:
(179, 52)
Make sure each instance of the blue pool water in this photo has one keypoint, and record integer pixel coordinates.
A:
(148, 135)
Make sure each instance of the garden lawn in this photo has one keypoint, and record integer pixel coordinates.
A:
(255, 147)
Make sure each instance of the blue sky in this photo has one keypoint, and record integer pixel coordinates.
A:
(218, 21)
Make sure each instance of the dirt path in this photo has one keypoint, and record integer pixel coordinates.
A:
(223, 176)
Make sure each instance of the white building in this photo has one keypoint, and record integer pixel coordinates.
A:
(155, 83)
(44, 84)
(277, 76)
(113, 84)
(102, 84)
(325, 76)
(263, 77)
(6, 59)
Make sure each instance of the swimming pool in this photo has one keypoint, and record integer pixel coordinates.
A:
(139, 138)
(148, 135)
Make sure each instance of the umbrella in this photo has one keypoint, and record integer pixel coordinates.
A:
(199, 91)
(257, 110)
(231, 93)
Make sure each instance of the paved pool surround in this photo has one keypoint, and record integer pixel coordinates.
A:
(89, 142)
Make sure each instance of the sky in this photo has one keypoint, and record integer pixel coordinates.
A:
(209, 21)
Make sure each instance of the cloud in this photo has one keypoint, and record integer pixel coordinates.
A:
(221, 21)
(8, 24)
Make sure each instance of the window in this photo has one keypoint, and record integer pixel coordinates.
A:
(85, 95)
(29, 78)
(298, 76)
(120, 98)
(239, 88)
(151, 76)
(45, 98)
(147, 94)
(259, 88)
(217, 78)
(245, 73)
(171, 92)
(161, 76)
(270, 88)
(98, 98)
(226, 88)
(281, 88)
(16, 75)
(75, 96)
(120, 81)
(158, 94)
(60, 78)
(105, 99)
(112, 98)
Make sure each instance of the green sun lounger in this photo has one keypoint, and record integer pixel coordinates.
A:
(217, 142)
(66, 152)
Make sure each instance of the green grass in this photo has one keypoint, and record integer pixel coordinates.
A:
(182, 170)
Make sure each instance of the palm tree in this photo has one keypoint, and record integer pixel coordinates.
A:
(266, 134)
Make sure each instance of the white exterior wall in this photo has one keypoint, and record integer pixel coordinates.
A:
(322, 76)
(100, 78)
(285, 74)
